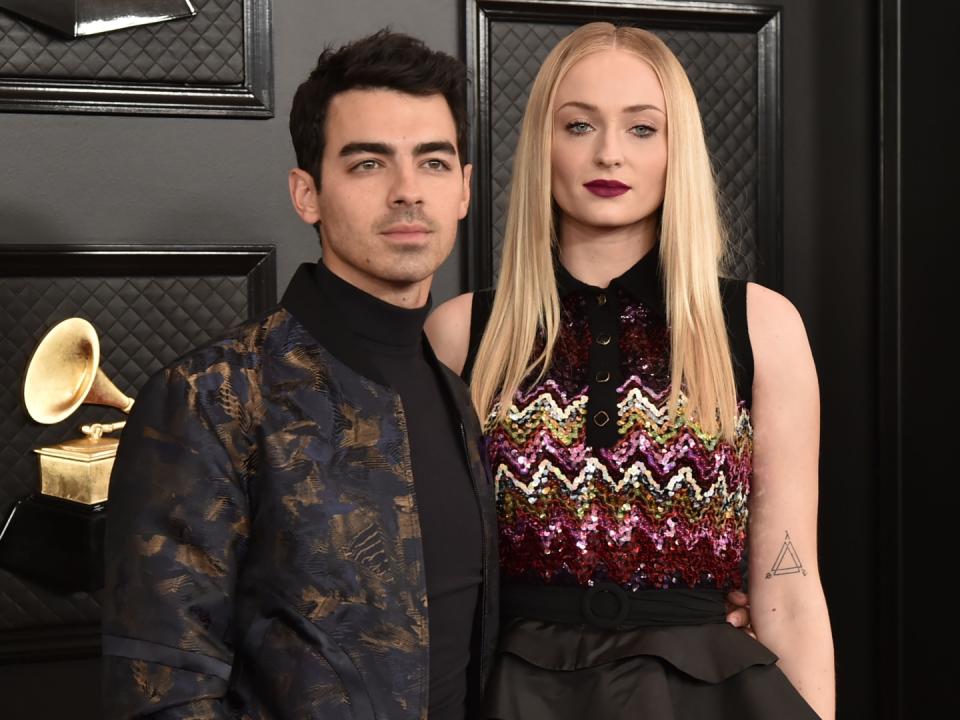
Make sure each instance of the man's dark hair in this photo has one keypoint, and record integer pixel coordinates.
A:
(388, 60)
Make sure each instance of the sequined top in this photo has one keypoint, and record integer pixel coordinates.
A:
(595, 482)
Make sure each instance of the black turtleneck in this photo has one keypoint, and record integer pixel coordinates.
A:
(392, 339)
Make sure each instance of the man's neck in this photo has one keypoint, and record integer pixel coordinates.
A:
(402, 294)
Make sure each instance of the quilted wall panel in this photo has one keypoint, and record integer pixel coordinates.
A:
(206, 49)
(723, 69)
(143, 324)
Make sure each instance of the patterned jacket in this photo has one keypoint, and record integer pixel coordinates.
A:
(264, 557)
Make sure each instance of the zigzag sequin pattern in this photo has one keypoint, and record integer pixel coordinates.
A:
(665, 506)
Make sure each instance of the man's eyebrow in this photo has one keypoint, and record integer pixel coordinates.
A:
(593, 108)
(379, 148)
(376, 148)
(441, 146)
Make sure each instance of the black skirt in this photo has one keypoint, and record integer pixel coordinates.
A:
(565, 671)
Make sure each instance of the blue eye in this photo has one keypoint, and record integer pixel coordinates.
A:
(579, 127)
(643, 130)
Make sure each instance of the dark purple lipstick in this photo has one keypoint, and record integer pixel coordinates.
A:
(606, 188)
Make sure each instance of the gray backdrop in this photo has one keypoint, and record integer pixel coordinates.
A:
(115, 179)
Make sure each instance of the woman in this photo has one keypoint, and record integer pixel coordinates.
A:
(637, 407)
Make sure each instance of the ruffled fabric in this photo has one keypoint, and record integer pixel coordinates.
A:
(701, 672)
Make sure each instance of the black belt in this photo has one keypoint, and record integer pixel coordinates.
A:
(609, 606)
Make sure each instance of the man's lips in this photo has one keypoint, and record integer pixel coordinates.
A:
(406, 229)
(606, 188)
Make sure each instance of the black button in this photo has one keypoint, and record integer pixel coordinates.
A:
(601, 299)
(602, 376)
(603, 339)
(601, 418)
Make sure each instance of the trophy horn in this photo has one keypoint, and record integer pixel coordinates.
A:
(64, 373)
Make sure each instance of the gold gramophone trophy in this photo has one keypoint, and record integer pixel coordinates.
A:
(56, 537)
(63, 374)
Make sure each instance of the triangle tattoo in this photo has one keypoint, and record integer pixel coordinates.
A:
(788, 562)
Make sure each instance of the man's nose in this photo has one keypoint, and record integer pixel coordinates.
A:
(405, 189)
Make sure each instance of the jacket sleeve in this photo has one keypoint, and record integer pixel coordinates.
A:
(177, 526)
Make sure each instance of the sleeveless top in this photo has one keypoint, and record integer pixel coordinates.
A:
(595, 482)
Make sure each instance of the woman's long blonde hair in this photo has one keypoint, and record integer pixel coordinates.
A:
(692, 244)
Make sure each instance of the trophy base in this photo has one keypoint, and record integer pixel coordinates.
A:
(56, 543)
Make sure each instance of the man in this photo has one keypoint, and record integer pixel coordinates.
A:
(289, 501)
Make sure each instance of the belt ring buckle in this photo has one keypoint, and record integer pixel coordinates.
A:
(605, 621)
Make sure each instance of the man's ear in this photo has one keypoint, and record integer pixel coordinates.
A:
(465, 197)
(304, 196)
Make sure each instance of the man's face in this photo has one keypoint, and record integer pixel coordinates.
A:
(392, 191)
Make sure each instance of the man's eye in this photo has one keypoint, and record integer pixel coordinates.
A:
(437, 164)
(579, 127)
(366, 165)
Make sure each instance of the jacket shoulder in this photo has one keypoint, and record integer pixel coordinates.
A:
(243, 347)
(220, 383)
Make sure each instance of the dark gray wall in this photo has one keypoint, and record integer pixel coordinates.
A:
(830, 256)
(830, 209)
(930, 154)
(114, 179)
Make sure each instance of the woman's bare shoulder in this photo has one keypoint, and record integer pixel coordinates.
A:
(782, 357)
(448, 329)
(775, 326)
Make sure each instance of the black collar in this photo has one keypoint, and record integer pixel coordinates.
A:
(380, 326)
(642, 282)
(318, 313)
(307, 302)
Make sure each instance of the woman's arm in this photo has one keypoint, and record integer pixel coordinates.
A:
(448, 329)
(787, 607)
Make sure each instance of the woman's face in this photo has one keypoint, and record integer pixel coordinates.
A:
(609, 159)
